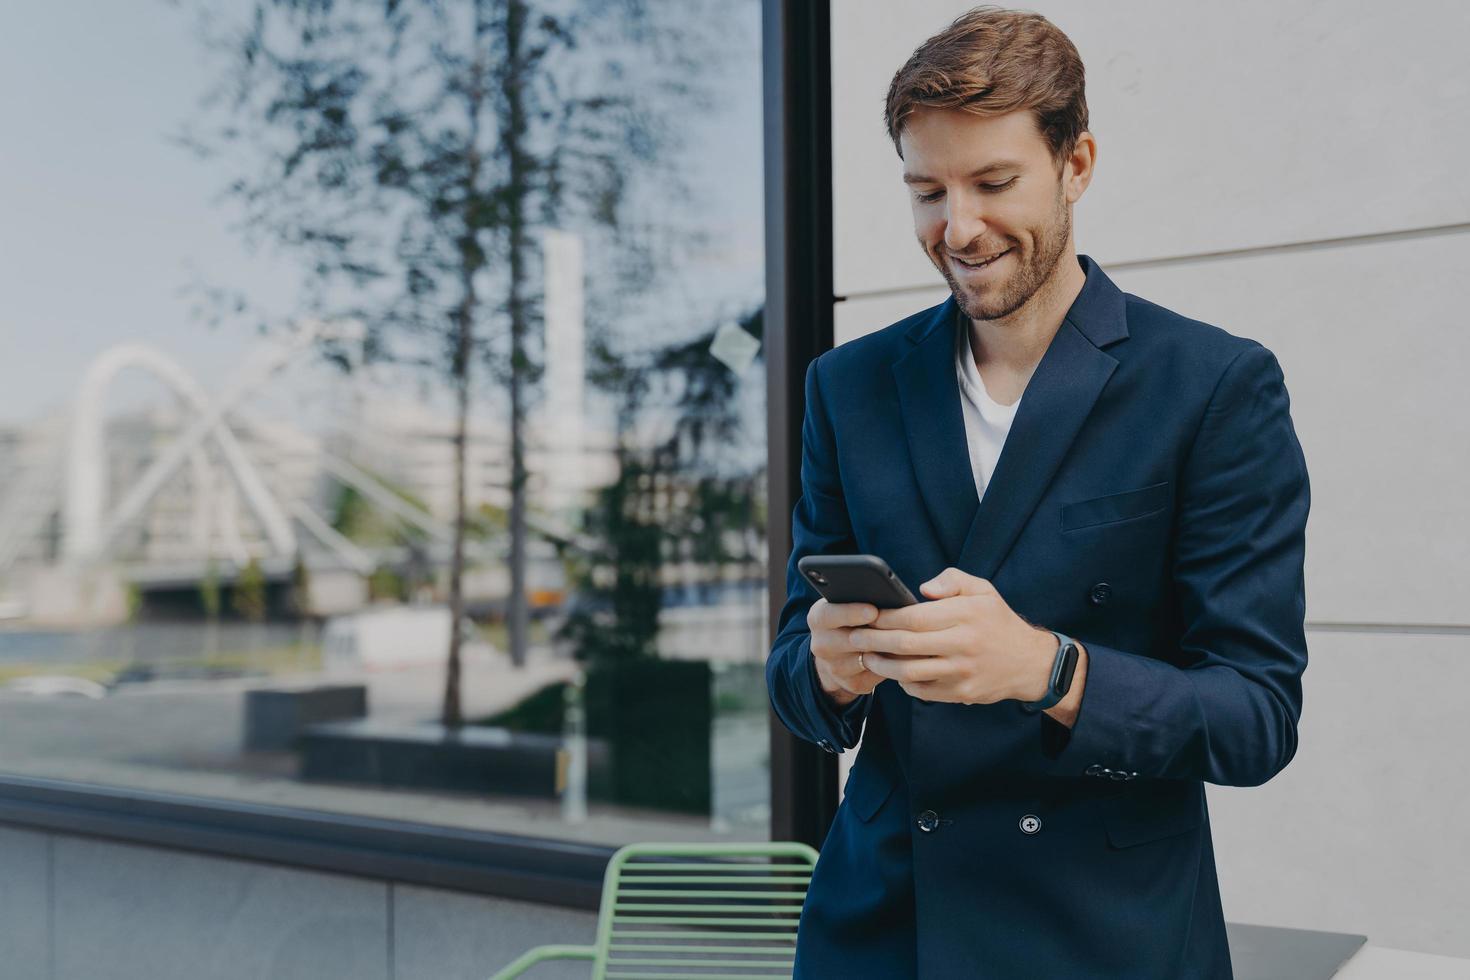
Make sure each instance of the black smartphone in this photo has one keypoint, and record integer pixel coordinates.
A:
(856, 578)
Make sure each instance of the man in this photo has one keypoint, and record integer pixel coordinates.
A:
(1050, 463)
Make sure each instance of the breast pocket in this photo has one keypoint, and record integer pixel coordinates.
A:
(1115, 508)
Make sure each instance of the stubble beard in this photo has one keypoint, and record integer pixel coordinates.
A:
(1009, 296)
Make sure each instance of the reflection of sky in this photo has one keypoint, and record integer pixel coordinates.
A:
(103, 222)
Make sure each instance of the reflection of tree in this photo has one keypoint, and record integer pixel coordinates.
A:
(300, 598)
(209, 590)
(386, 583)
(723, 504)
(356, 518)
(642, 518)
(209, 599)
(409, 151)
(248, 598)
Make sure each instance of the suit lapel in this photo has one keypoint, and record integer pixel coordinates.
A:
(929, 397)
(977, 535)
(1057, 401)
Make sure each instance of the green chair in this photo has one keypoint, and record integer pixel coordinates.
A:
(693, 912)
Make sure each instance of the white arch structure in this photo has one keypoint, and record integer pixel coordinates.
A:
(88, 531)
(86, 534)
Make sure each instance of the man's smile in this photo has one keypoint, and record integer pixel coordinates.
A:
(979, 263)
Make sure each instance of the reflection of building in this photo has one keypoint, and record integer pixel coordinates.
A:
(200, 511)
(197, 512)
(411, 446)
(30, 467)
(159, 493)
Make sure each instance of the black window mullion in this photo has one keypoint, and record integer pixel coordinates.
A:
(796, 62)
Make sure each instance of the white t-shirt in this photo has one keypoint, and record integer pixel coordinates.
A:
(987, 421)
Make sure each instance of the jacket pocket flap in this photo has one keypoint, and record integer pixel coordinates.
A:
(1131, 821)
(1115, 506)
(866, 789)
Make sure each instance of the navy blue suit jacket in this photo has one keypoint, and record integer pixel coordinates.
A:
(1151, 500)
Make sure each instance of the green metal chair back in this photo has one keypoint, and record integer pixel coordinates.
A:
(694, 912)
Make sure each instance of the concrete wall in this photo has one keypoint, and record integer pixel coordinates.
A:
(1288, 172)
(76, 908)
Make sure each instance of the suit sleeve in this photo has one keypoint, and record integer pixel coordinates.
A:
(819, 525)
(1229, 716)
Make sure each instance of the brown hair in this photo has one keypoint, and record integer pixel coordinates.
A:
(991, 61)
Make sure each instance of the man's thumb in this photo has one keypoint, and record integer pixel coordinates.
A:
(954, 581)
(938, 586)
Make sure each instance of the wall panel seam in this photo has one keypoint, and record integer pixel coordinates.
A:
(1404, 629)
(1196, 258)
(51, 906)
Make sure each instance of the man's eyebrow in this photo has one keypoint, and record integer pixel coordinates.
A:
(997, 165)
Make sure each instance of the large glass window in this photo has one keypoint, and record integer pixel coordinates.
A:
(382, 410)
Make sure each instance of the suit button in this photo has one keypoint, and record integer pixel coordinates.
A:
(1101, 592)
(827, 745)
(1095, 770)
(928, 820)
(1117, 774)
(1030, 823)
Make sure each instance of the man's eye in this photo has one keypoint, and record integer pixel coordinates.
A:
(992, 188)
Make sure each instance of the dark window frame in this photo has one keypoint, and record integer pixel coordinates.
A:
(532, 869)
(796, 87)
(797, 60)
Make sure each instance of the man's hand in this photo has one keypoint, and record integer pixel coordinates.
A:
(966, 646)
(831, 624)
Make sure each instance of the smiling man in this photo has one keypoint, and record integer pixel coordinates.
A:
(1104, 504)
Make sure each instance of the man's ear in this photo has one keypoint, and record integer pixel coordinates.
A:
(1080, 164)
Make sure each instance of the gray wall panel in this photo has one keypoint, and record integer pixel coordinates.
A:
(443, 935)
(25, 895)
(1365, 830)
(140, 913)
(1219, 126)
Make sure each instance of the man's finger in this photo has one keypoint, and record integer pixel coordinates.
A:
(900, 643)
(904, 670)
(920, 617)
(838, 614)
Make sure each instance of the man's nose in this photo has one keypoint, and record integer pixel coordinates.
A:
(964, 223)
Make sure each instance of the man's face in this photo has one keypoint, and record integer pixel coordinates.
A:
(982, 186)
